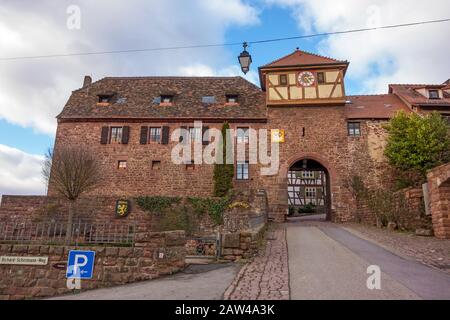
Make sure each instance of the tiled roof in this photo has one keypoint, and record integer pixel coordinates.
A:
(410, 95)
(134, 98)
(382, 106)
(299, 57)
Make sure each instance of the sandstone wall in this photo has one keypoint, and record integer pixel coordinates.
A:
(154, 254)
(326, 141)
(408, 211)
(439, 196)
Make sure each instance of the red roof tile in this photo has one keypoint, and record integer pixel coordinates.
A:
(134, 98)
(299, 57)
(408, 93)
(382, 106)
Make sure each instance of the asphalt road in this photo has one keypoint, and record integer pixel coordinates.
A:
(328, 262)
(197, 282)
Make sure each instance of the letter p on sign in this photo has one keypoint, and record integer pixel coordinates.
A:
(80, 264)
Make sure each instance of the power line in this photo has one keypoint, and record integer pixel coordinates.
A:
(225, 44)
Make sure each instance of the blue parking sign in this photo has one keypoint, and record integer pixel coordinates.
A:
(80, 264)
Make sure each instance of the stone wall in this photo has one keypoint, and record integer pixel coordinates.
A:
(89, 208)
(154, 254)
(439, 197)
(407, 211)
(325, 140)
(243, 244)
(340, 154)
(140, 178)
(244, 228)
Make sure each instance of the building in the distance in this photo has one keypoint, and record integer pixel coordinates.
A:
(328, 136)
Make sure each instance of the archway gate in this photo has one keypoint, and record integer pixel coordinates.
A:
(308, 188)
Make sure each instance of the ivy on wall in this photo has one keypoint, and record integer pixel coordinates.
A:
(177, 213)
(156, 204)
(215, 208)
(223, 172)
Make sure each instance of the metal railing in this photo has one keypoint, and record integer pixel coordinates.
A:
(54, 232)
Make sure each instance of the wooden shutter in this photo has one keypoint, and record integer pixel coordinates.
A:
(165, 135)
(183, 136)
(125, 134)
(104, 135)
(144, 135)
(205, 135)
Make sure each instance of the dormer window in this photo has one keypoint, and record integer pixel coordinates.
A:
(208, 99)
(433, 94)
(232, 98)
(105, 98)
(167, 98)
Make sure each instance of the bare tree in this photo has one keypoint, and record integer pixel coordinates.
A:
(71, 171)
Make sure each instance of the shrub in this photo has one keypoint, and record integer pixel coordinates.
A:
(417, 144)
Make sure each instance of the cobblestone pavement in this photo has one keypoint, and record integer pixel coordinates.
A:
(266, 277)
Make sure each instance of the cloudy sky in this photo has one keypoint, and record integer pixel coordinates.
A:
(33, 91)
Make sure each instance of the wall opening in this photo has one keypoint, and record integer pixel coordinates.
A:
(309, 189)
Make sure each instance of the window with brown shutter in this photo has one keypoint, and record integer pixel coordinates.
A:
(155, 134)
(144, 134)
(116, 135)
(125, 134)
(104, 135)
(165, 135)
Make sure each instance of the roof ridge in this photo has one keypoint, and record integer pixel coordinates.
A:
(170, 77)
(370, 95)
(321, 56)
(416, 84)
(305, 52)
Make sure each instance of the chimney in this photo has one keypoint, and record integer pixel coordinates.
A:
(87, 81)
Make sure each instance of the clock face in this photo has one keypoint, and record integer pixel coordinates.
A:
(306, 79)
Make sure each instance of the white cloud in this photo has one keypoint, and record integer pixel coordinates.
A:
(33, 92)
(417, 54)
(20, 172)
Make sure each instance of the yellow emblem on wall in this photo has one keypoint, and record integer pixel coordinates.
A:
(122, 208)
(277, 135)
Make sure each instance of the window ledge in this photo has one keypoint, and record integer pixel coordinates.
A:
(166, 104)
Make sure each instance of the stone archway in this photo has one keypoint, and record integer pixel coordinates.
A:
(309, 188)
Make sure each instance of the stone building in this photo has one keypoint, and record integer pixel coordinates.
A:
(328, 135)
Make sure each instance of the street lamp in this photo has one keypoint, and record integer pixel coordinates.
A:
(245, 59)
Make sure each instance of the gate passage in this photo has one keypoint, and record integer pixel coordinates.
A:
(308, 189)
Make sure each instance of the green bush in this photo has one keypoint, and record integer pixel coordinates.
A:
(416, 144)
(308, 208)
